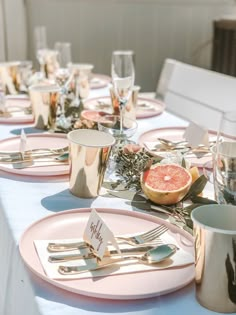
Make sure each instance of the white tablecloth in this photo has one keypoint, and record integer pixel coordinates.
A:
(24, 200)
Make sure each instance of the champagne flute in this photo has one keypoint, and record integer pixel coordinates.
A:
(41, 47)
(63, 77)
(123, 74)
(224, 160)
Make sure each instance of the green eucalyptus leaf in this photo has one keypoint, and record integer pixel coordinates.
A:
(191, 207)
(123, 194)
(183, 164)
(197, 187)
(202, 200)
(189, 225)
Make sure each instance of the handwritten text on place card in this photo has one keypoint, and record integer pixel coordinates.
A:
(98, 234)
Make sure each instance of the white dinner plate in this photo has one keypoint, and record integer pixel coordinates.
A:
(36, 141)
(71, 224)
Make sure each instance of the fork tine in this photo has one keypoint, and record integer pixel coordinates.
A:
(155, 234)
(151, 231)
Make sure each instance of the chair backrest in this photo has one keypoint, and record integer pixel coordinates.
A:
(196, 94)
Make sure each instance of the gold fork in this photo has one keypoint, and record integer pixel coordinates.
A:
(134, 240)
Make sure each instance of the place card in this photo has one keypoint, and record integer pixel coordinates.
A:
(98, 234)
(23, 143)
(2, 103)
(196, 135)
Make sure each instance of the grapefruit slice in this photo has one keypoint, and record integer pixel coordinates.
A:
(166, 184)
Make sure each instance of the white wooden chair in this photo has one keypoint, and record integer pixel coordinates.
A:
(196, 94)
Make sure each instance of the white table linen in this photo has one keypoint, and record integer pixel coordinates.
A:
(23, 200)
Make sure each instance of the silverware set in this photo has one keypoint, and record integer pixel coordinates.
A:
(183, 144)
(164, 145)
(59, 155)
(153, 256)
(147, 244)
(8, 113)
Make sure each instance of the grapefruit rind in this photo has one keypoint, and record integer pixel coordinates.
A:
(166, 197)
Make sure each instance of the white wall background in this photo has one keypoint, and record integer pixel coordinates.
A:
(154, 29)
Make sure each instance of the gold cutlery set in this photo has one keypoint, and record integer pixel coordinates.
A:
(163, 145)
(43, 155)
(145, 248)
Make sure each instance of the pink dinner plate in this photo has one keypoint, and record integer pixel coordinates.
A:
(71, 224)
(36, 141)
(92, 115)
(146, 107)
(99, 81)
(175, 134)
(15, 106)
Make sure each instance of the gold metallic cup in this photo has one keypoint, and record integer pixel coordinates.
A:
(10, 77)
(130, 107)
(14, 76)
(44, 99)
(89, 153)
(215, 257)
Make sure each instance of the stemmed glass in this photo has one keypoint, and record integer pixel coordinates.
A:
(62, 78)
(111, 124)
(40, 38)
(123, 74)
(224, 160)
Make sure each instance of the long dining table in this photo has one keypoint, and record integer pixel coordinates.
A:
(26, 199)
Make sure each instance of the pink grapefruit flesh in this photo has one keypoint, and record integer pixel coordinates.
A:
(166, 183)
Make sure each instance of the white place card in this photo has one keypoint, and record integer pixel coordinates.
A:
(23, 142)
(196, 135)
(98, 234)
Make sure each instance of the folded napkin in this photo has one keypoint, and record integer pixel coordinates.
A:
(180, 259)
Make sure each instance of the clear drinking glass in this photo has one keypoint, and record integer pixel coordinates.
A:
(224, 160)
(111, 124)
(123, 74)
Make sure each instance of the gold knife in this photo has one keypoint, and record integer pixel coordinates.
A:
(108, 253)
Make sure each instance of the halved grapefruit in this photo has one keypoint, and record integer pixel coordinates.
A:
(166, 184)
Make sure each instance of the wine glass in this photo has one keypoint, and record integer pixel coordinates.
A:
(63, 77)
(111, 124)
(224, 160)
(123, 74)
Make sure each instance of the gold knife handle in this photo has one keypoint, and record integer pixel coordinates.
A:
(63, 258)
(61, 247)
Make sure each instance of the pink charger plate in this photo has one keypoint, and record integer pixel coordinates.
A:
(36, 141)
(16, 105)
(153, 107)
(174, 134)
(71, 224)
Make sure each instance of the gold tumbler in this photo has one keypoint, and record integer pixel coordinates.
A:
(89, 154)
(215, 257)
(44, 99)
(130, 107)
